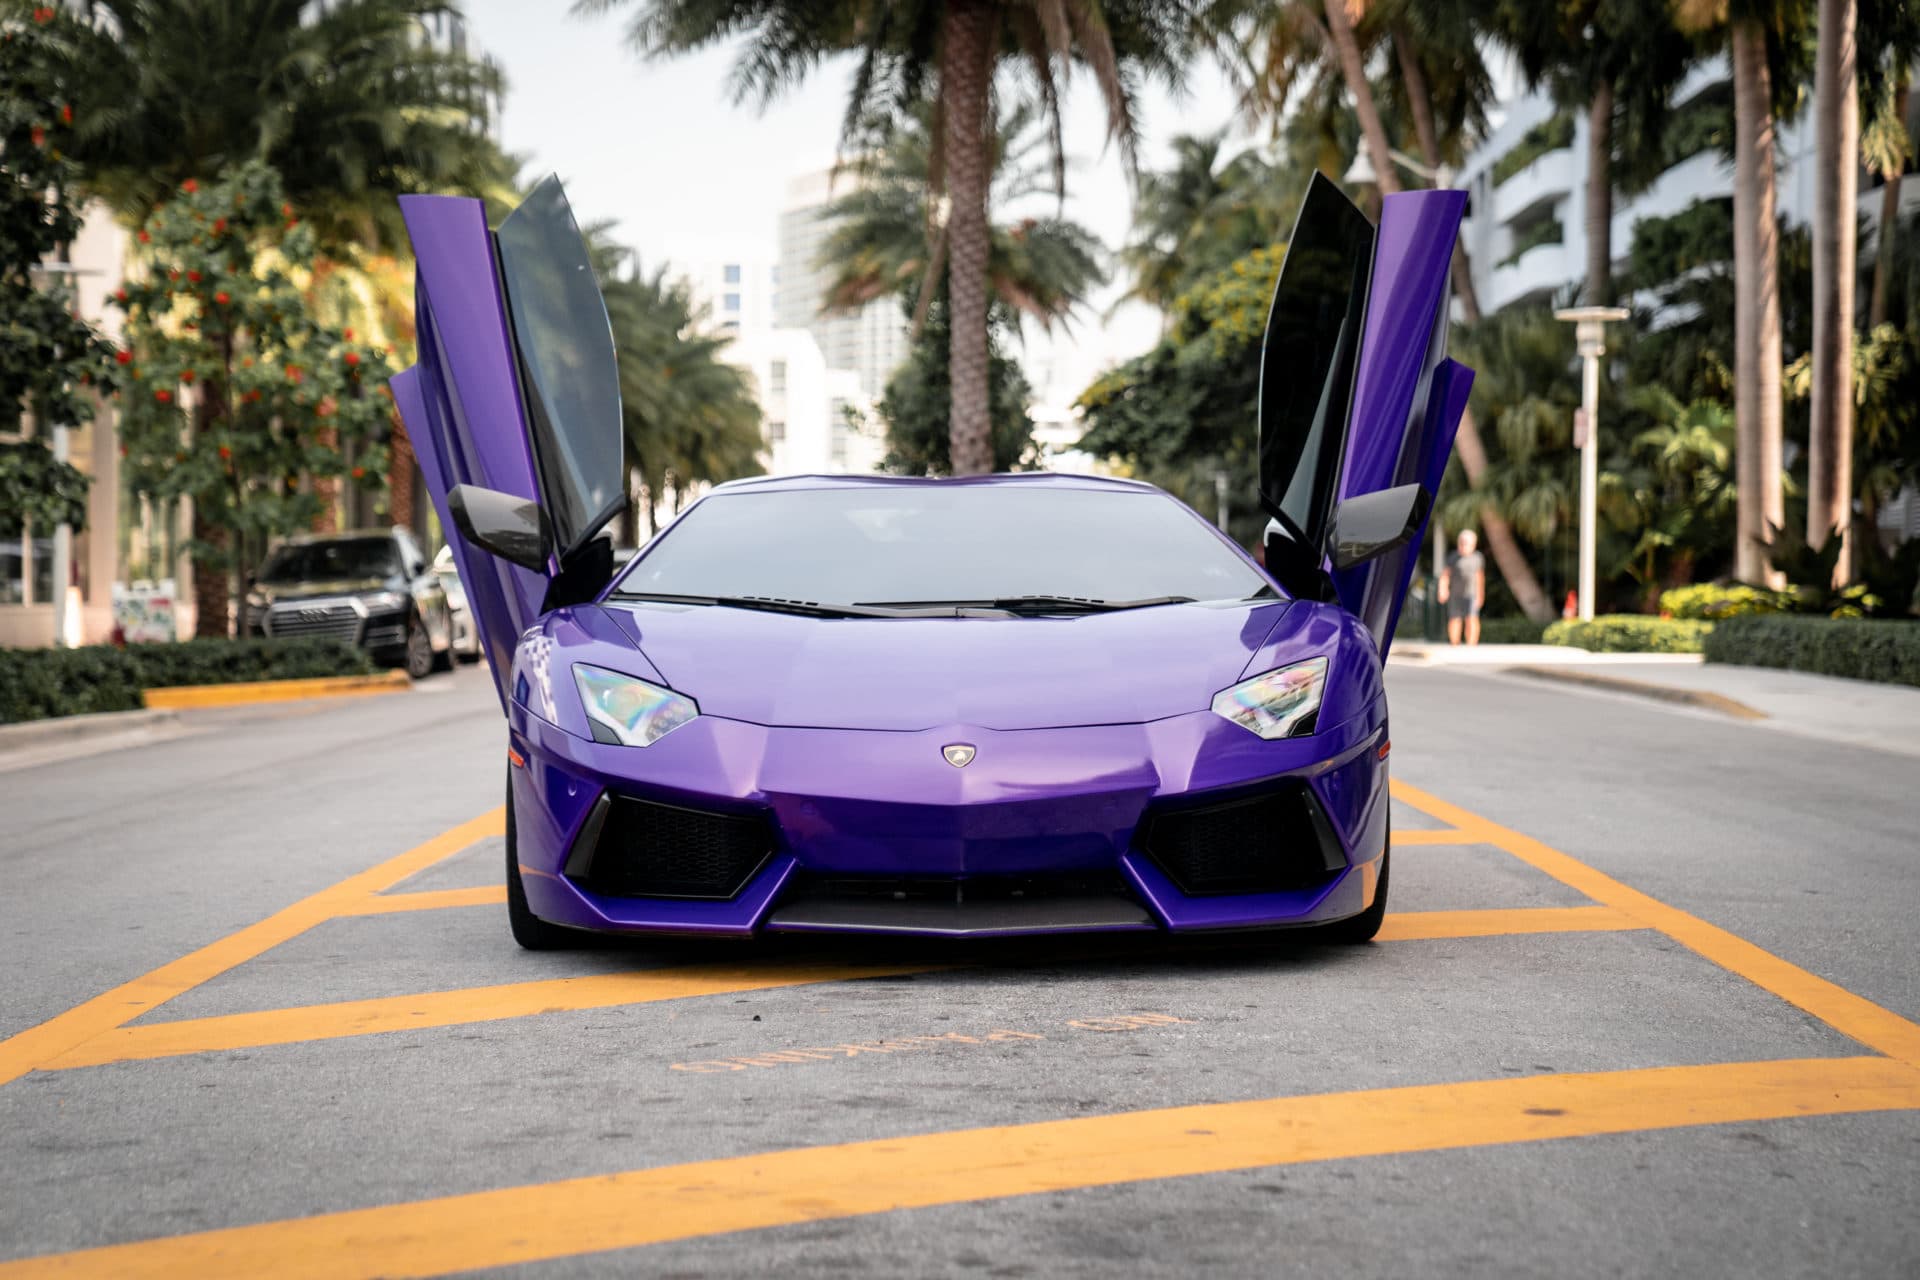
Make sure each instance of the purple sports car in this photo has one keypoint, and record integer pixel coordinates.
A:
(1007, 705)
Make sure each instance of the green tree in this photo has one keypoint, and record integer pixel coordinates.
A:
(48, 355)
(346, 100)
(885, 239)
(953, 48)
(1203, 212)
(918, 399)
(232, 393)
(1187, 410)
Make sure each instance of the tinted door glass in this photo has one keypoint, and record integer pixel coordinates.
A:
(343, 560)
(567, 368)
(942, 542)
(1307, 360)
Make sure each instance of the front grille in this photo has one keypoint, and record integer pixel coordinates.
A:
(335, 621)
(631, 848)
(981, 906)
(1264, 843)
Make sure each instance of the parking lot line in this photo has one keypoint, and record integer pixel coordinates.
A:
(38, 1045)
(376, 1016)
(486, 895)
(677, 1202)
(1442, 835)
(449, 1008)
(1849, 1014)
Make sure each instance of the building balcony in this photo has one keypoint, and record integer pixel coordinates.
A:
(1532, 277)
(1549, 179)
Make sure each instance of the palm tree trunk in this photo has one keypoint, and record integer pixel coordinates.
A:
(1420, 103)
(1756, 306)
(1353, 69)
(1600, 196)
(966, 56)
(1502, 545)
(1835, 228)
(1889, 217)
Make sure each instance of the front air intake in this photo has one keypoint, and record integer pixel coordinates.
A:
(630, 848)
(1274, 840)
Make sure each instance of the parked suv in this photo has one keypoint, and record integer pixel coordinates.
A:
(372, 588)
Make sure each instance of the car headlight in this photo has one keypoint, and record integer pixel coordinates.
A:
(384, 601)
(629, 712)
(1279, 704)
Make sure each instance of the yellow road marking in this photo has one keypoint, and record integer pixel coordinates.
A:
(488, 895)
(447, 1008)
(35, 1046)
(649, 1206)
(1412, 925)
(229, 695)
(1849, 1014)
(1446, 835)
(560, 995)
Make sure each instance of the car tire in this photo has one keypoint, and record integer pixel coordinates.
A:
(529, 930)
(443, 660)
(1363, 927)
(419, 651)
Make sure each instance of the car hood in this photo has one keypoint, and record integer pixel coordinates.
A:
(919, 673)
(274, 592)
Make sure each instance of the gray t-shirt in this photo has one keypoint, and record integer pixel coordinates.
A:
(1460, 576)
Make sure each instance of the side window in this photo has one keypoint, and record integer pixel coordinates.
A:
(567, 366)
(1307, 360)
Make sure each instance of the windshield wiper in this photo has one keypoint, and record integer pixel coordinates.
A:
(1032, 604)
(765, 604)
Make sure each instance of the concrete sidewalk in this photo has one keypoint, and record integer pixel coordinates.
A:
(1859, 712)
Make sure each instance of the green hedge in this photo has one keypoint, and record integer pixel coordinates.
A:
(1630, 633)
(1713, 602)
(1860, 649)
(36, 684)
(1511, 631)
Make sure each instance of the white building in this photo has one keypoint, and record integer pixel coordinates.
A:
(816, 419)
(1526, 228)
(872, 341)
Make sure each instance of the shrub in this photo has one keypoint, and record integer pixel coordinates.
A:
(1630, 633)
(1511, 631)
(1860, 649)
(1712, 601)
(36, 684)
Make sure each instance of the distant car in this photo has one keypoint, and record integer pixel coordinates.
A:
(372, 588)
(996, 705)
(466, 637)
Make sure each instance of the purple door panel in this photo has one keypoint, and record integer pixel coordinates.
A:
(1392, 431)
(462, 405)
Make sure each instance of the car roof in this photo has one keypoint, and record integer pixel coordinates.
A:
(1025, 479)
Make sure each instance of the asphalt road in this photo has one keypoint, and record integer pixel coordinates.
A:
(1646, 1005)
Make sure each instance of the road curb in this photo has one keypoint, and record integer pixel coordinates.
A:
(1646, 689)
(187, 696)
(34, 733)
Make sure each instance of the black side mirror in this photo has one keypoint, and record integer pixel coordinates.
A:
(515, 529)
(1369, 525)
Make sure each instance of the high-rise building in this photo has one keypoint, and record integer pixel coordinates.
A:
(871, 341)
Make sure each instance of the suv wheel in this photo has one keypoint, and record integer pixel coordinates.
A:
(419, 649)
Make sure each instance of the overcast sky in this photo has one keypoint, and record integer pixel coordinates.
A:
(661, 148)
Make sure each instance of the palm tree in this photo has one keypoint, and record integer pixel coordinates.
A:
(957, 46)
(1199, 215)
(886, 240)
(347, 101)
(1835, 231)
(688, 416)
(1293, 46)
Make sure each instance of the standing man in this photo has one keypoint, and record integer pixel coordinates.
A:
(1463, 589)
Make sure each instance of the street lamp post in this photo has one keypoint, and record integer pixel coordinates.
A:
(1590, 324)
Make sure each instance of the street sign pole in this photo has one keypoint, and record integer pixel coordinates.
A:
(1589, 333)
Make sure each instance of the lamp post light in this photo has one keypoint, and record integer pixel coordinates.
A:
(1590, 324)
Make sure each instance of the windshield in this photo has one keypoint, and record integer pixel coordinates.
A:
(333, 561)
(910, 543)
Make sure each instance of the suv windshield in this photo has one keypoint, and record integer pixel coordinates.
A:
(941, 544)
(338, 560)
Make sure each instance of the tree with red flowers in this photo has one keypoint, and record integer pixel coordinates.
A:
(47, 354)
(234, 392)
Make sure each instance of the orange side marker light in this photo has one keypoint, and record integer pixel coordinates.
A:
(519, 761)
